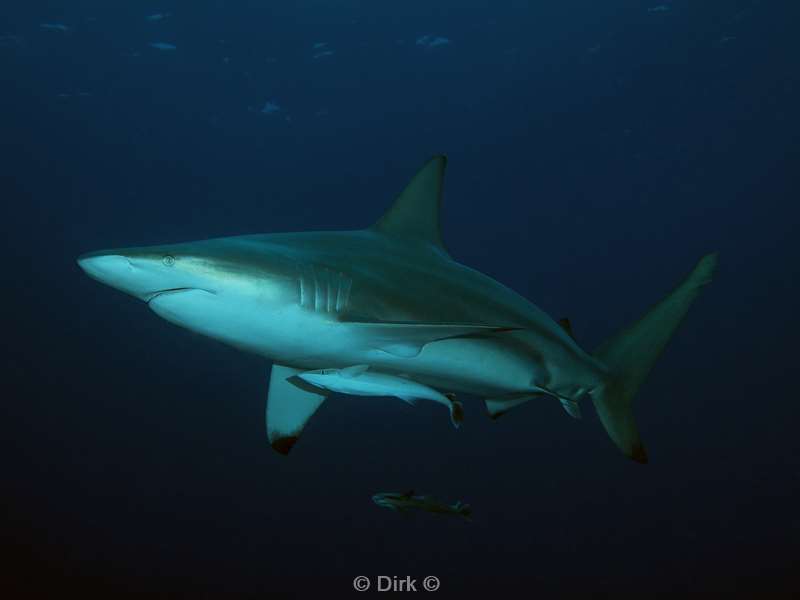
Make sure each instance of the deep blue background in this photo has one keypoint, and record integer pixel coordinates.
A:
(597, 150)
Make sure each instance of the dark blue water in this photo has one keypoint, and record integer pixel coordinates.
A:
(597, 150)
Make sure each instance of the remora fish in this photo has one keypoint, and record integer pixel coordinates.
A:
(358, 381)
(390, 296)
(408, 501)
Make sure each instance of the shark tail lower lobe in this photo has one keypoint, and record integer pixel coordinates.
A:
(630, 355)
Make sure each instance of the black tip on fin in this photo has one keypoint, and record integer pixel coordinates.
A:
(284, 445)
(456, 412)
(639, 454)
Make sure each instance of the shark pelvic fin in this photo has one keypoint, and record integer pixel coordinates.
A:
(289, 407)
(415, 212)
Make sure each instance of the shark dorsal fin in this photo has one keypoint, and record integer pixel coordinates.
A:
(415, 212)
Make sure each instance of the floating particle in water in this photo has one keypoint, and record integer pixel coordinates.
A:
(270, 108)
(432, 41)
(54, 27)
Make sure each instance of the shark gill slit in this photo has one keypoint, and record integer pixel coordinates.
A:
(303, 284)
(317, 290)
(329, 293)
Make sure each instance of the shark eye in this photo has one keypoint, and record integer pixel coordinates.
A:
(168, 260)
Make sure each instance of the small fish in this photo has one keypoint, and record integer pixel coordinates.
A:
(8, 40)
(431, 41)
(319, 45)
(54, 27)
(360, 381)
(659, 8)
(407, 501)
(323, 54)
(163, 46)
(270, 108)
(155, 18)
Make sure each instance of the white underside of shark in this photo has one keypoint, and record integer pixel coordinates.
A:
(392, 299)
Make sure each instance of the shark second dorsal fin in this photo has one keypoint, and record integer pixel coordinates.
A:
(415, 212)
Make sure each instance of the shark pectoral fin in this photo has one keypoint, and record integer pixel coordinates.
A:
(406, 340)
(353, 371)
(289, 407)
(497, 407)
(573, 408)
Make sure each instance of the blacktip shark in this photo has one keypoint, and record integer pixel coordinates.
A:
(356, 380)
(407, 501)
(391, 297)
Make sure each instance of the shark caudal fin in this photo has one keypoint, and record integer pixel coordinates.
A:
(630, 355)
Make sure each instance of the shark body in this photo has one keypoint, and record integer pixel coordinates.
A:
(391, 297)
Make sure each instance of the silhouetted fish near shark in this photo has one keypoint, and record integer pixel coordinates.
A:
(391, 297)
(407, 501)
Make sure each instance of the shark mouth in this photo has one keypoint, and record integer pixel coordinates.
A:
(178, 290)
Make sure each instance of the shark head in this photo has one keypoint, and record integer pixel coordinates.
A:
(209, 286)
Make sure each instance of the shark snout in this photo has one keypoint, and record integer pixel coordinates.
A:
(139, 276)
(104, 267)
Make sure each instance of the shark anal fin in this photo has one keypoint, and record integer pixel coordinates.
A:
(406, 340)
(573, 408)
(289, 407)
